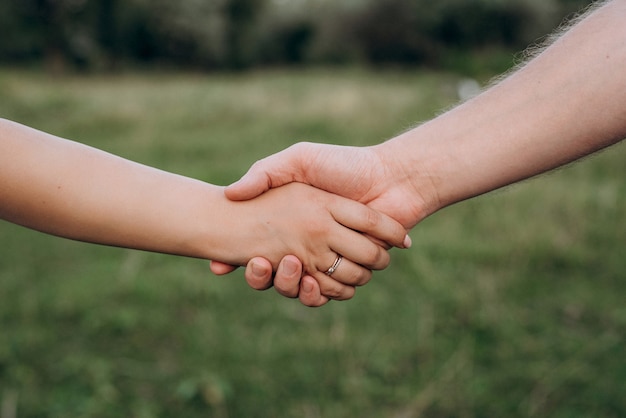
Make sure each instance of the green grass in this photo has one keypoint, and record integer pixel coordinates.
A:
(510, 305)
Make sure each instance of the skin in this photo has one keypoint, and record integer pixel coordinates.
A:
(75, 191)
(565, 103)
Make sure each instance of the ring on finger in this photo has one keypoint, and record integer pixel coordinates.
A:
(335, 266)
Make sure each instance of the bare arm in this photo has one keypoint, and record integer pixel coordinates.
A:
(567, 102)
(72, 190)
(68, 189)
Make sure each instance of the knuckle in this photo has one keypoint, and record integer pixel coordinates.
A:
(383, 260)
(372, 256)
(357, 277)
(376, 258)
(348, 293)
(344, 292)
(335, 292)
(371, 219)
(363, 277)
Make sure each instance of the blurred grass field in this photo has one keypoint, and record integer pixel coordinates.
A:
(509, 305)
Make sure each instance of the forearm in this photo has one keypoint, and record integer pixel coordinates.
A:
(566, 103)
(75, 191)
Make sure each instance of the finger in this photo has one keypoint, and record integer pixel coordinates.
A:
(259, 273)
(287, 278)
(273, 171)
(310, 293)
(220, 268)
(333, 289)
(361, 218)
(356, 247)
(350, 273)
(407, 243)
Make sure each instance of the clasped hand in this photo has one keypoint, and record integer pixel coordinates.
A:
(358, 175)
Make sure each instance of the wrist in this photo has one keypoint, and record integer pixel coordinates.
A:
(218, 228)
(412, 167)
(443, 161)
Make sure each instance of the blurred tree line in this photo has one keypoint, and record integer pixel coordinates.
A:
(235, 34)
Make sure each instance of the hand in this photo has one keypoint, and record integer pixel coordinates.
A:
(316, 227)
(369, 175)
(288, 280)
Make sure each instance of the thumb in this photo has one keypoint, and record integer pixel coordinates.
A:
(273, 171)
(219, 268)
(254, 183)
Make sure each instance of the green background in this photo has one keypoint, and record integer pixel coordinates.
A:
(511, 304)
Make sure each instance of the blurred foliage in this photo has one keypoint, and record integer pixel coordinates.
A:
(508, 305)
(235, 34)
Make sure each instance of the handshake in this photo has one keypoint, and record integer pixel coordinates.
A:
(325, 239)
(356, 210)
(324, 236)
(530, 122)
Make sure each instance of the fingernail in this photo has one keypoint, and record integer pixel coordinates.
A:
(407, 242)
(257, 270)
(290, 267)
(307, 286)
